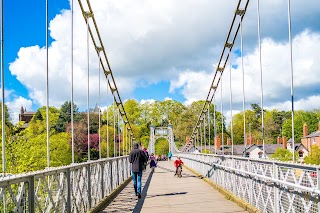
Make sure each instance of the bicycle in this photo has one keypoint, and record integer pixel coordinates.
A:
(179, 171)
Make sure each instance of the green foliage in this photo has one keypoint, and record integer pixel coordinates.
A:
(161, 146)
(145, 141)
(314, 156)
(30, 154)
(38, 126)
(251, 126)
(282, 154)
(26, 149)
(65, 116)
(107, 134)
(133, 111)
(300, 117)
(206, 151)
(9, 128)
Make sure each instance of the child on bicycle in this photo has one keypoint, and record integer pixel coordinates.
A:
(178, 163)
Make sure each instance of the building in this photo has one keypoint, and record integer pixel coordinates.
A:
(310, 139)
(25, 116)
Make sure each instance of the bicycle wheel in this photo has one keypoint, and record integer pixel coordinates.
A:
(179, 172)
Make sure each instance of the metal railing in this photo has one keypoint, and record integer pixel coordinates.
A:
(270, 186)
(74, 188)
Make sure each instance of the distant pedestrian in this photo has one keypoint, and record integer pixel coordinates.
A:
(137, 158)
(169, 155)
(153, 163)
(146, 152)
(147, 155)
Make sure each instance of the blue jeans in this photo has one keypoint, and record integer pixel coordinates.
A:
(136, 177)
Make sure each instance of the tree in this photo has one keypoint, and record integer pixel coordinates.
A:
(93, 121)
(8, 124)
(145, 140)
(256, 109)
(29, 153)
(314, 156)
(65, 116)
(133, 111)
(282, 154)
(38, 126)
(105, 138)
(161, 146)
(80, 140)
(301, 117)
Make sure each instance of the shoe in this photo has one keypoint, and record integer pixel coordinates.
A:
(139, 195)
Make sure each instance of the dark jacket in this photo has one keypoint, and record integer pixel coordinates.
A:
(137, 157)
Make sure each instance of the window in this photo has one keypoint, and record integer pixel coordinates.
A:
(314, 140)
(260, 154)
(247, 154)
(301, 154)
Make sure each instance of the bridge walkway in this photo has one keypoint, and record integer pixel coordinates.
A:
(162, 192)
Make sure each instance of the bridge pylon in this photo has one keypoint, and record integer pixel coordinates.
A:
(161, 132)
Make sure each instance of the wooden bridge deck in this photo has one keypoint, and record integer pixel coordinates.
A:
(162, 192)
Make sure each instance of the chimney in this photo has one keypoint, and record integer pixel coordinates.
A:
(229, 141)
(247, 140)
(319, 126)
(252, 139)
(217, 142)
(187, 139)
(278, 140)
(284, 139)
(305, 130)
(259, 142)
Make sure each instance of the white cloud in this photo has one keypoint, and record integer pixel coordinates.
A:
(150, 101)
(15, 106)
(162, 41)
(195, 84)
(276, 74)
(167, 99)
(309, 103)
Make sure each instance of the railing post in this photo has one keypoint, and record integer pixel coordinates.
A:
(68, 174)
(102, 179)
(250, 183)
(203, 173)
(234, 176)
(222, 180)
(111, 175)
(123, 166)
(275, 188)
(31, 195)
(89, 184)
(118, 173)
(318, 187)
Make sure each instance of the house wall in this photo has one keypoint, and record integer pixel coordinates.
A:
(255, 153)
(308, 142)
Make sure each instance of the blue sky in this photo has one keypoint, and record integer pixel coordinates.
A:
(161, 50)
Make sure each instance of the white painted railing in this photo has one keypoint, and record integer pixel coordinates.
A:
(74, 188)
(270, 186)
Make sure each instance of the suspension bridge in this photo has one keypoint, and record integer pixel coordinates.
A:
(218, 181)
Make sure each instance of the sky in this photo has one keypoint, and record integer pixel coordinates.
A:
(160, 50)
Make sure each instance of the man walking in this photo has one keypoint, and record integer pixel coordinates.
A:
(137, 158)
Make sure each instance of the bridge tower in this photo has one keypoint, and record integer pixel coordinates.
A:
(161, 132)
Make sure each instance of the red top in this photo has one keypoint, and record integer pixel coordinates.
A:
(177, 163)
